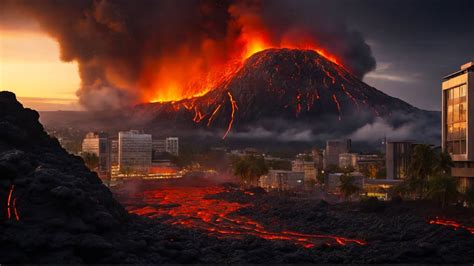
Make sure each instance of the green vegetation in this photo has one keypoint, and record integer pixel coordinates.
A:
(469, 196)
(347, 186)
(430, 177)
(249, 169)
(442, 188)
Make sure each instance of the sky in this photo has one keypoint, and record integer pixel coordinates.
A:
(414, 42)
(30, 59)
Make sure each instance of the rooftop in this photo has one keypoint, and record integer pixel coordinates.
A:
(467, 67)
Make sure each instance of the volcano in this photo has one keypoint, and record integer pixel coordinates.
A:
(277, 91)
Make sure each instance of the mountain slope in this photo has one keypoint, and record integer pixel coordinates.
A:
(280, 89)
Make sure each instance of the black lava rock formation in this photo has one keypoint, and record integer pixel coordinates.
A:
(53, 209)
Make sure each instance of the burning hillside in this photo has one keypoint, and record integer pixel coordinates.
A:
(279, 89)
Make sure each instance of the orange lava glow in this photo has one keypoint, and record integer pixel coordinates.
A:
(11, 205)
(218, 218)
(190, 72)
(234, 107)
(163, 170)
(450, 223)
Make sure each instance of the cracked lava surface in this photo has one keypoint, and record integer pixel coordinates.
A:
(189, 208)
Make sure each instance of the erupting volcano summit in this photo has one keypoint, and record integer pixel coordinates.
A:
(277, 89)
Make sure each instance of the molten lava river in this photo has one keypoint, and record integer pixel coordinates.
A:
(189, 208)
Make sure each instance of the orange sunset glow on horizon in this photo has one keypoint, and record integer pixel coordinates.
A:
(30, 66)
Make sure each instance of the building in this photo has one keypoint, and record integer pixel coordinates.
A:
(333, 181)
(318, 159)
(114, 152)
(333, 149)
(159, 145)
(172, 145)
(371, 165)
(348, 160)
(282, 180)
(98, 144)
(134, 152)
(380, 188)
(456, 129)
(397, 159)
(307, 167)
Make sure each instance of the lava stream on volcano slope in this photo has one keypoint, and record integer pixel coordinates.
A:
(450, 223)
(190, 208)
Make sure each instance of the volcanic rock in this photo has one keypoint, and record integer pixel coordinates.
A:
(48, 197)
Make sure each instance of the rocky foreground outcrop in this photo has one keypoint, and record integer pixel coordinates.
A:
(52, 207)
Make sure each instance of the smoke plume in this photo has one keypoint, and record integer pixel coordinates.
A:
(155, 50)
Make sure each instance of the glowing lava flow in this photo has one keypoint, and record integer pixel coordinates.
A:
(213, 114)
(450, 223)
(233, 104)
(10, 205)
(337, 105)
(189, 208)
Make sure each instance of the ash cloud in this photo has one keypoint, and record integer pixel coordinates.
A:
(117, 42)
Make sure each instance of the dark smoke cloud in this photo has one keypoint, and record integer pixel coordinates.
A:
(114, 41)
(319, 19)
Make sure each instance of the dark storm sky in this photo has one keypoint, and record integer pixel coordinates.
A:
(415, 43)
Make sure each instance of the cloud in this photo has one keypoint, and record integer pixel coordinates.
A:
(381, 128)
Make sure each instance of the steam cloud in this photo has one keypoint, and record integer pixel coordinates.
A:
(119, 44)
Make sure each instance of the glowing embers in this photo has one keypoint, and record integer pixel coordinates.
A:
(234, 107)
(11, 205)
(450, 223)
(189, 208)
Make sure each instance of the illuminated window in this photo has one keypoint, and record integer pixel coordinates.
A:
(456, 119)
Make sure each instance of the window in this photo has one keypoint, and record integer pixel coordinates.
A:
(456, 119)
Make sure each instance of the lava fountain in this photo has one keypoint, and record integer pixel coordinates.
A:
(189, 208)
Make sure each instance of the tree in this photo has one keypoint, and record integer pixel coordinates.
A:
(250, 168)
(444, 163)
(442, 188)
(347, 186)
(423, 164)
(91, 160)
(320, 177)
(469, 196)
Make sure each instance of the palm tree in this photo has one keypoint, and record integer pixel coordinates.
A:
(422, 165)
(347, 186)
(443, 189)
(444, 163)
(250, 168)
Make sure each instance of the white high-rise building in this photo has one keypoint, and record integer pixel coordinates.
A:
(134, 152)
(172, 145)
(98, 144)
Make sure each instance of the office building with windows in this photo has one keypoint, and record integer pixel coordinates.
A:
(333, 149)
(398, 155)
(457, 131)
(134, 152)
(98, 144)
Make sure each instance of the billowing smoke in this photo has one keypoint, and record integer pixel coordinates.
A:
(135, 51)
